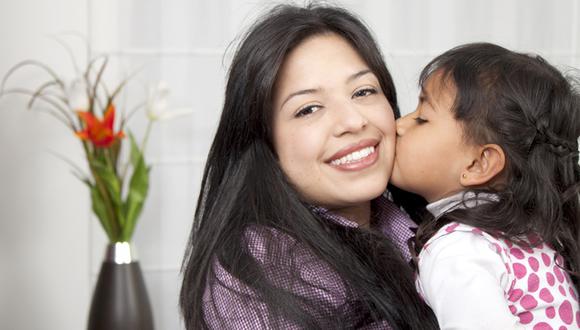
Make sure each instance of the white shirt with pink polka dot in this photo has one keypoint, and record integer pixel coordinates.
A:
(474, 280)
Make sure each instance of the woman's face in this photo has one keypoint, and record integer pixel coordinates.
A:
(334, 130)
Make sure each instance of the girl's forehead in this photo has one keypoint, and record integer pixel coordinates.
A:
(439, 83)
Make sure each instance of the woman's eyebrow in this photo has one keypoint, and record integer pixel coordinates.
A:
(300, 92)
(350, 78)
(358, 75)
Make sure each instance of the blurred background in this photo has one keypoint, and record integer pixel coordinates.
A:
(51, 246)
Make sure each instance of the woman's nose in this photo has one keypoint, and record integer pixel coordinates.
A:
(350, 120)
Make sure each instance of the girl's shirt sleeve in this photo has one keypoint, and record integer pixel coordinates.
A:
(464, 278)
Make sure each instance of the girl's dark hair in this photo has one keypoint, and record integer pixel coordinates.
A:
(530, 109)
(244, 187)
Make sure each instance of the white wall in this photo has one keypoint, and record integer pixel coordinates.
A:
(44, 280)
(50, 245)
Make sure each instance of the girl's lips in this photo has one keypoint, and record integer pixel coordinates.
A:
(359, 164)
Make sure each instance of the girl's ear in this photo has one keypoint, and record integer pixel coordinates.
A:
(487, 163)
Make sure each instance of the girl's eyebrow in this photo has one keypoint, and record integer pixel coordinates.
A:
(424, 97)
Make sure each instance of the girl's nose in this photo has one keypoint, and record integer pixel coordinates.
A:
(401, 126)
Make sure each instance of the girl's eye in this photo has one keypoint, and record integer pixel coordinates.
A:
(308, 110)
(420, 121)
(364, 92)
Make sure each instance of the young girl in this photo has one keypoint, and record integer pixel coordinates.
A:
(291, 230)
(493, 147)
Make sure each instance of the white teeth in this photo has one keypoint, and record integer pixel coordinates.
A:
(354, 156)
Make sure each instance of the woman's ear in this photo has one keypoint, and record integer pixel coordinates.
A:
(487, 163)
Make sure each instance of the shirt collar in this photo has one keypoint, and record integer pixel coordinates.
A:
(333, 217)
(382, 210)
(460, 200)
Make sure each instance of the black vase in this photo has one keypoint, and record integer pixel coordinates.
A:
(120, 299)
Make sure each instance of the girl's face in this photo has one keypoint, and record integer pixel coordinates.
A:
(334, 130)
(430, 154)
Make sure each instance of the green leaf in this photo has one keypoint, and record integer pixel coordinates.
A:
(105, 174)
(136, 153)
(115, 151)
(138, 188)
(100, 210)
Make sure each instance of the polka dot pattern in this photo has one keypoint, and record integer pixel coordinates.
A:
(561, 289)
(533, 282)
(451, 228)
(543, 326)
(529, 302)
(550, 278)
(559, 274)
(477, 231)
(516, 295)
(534, 263)
(526, 317)
(519, 254)
(573, 293)
(546, 296)
(551, 312)
(519, 270)
(538, 292)
(565, 312)
(546, 259)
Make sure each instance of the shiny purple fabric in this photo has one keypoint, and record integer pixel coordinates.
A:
(229, 304)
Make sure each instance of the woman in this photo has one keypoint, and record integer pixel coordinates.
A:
(285, 233)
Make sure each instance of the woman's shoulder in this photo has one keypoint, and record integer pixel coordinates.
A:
(394, 223)
(287, 264)
(261, 241)
(283, 257)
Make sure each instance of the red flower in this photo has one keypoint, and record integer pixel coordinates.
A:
(99, 132)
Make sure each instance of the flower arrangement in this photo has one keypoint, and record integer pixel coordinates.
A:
(118, 177)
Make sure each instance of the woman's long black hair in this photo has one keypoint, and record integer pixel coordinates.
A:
(243, 187)
(529, 108)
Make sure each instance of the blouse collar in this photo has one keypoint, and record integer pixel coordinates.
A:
(460, 200)
(382, 209)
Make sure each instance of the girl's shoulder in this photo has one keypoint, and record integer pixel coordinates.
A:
(471, 247)
(518, 248)
(527, 247)
(463, 232)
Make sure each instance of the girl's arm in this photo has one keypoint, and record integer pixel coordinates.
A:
(465, 282)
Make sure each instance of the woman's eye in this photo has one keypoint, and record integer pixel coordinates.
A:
(308, 110)
(420, 120)
(364, 92)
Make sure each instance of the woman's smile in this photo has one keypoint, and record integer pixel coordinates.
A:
(356, 157)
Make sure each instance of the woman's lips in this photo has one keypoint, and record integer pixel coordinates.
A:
(356, 157)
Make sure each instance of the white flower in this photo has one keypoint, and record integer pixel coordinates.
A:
(76, 93)
(156, 106)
